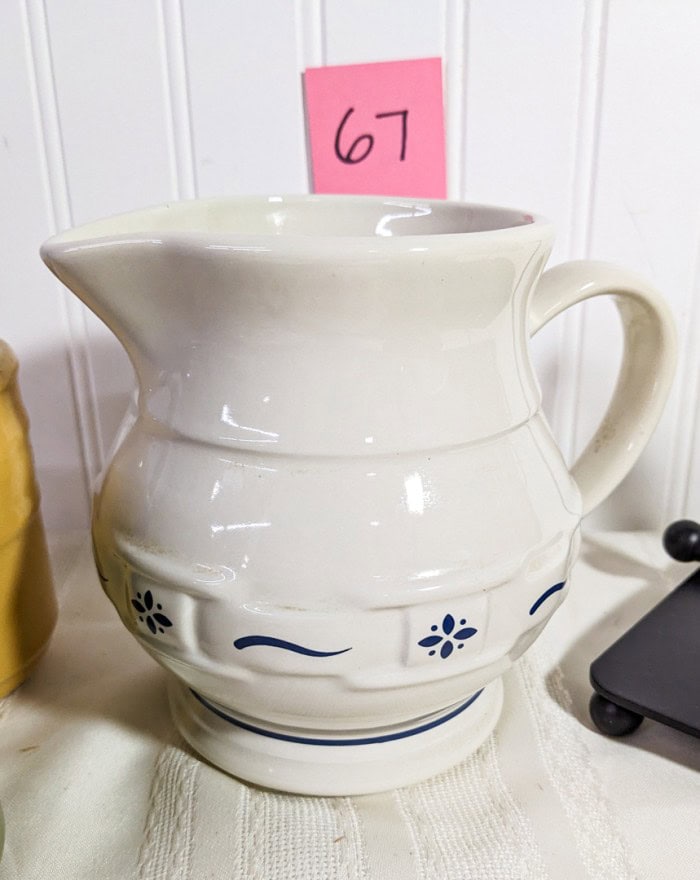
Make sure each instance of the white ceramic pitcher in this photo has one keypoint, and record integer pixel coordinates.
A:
(337, 514)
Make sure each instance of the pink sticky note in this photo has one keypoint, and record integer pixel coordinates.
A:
(377, 128)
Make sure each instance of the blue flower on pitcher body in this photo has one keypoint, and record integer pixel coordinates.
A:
(155, 620)
(449, 638)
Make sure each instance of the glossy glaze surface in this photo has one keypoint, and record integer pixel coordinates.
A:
(336, 504)
(27, 604)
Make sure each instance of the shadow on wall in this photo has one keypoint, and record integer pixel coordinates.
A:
(636, 504)
(60, 437)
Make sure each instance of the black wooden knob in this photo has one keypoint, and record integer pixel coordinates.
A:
(612, 719)
(682, 540)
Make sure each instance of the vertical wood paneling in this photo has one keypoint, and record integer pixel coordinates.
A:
(113, 126)
(310, 18)
(523, 103)
(177, 99)
(245, 94)
(367, 30)
(456, 36)
(526, 83)
(107, 65)
(311, 52)
(59, 204)
(684, 495)
(32, 318)
(647, 217)
(566, 402)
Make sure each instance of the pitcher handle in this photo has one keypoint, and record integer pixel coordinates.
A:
(646, 372)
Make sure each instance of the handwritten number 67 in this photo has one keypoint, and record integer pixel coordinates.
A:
(361, 147)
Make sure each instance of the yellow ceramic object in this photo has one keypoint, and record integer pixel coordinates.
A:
(27, 602)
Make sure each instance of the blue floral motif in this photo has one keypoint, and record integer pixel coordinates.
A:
(449, 638)
(155, 620)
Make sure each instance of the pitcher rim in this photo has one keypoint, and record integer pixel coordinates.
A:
(99, 232)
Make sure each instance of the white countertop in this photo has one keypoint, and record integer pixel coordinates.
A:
(95, 783)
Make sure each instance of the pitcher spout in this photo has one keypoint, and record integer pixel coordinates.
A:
(117, 279)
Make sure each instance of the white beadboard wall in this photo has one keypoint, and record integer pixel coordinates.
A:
(583, 111)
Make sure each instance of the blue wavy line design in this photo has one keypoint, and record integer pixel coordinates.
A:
(547, 593)
(359, 741)
(271, 642)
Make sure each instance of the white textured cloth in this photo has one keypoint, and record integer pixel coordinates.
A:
(95, 783)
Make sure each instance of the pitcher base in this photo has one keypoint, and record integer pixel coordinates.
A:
(334, 762)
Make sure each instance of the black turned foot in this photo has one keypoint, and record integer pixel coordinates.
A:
(682, 541)
(612, 719)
